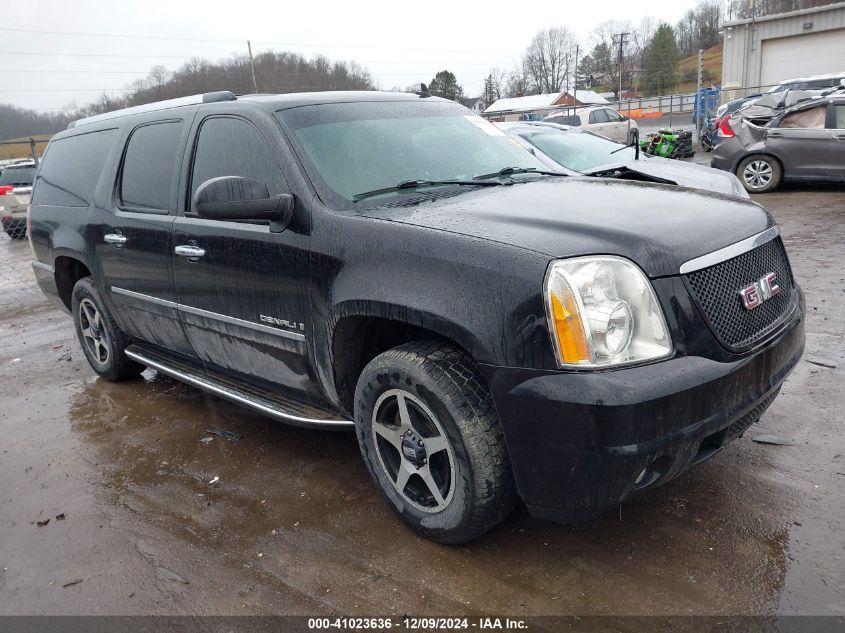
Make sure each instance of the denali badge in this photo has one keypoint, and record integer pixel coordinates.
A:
(283, 322)
(760, 291)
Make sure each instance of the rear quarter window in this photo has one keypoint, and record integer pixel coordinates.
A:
(71, 168)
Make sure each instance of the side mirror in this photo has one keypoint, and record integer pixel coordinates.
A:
(238, 198)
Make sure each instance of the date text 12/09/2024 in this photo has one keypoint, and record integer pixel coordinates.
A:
(409, 623)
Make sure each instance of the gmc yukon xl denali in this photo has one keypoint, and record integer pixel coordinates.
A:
(494, 332)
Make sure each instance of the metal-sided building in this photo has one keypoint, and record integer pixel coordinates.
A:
(766, 50)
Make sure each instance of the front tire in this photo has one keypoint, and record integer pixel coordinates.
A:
(431, 440)
(102, 341)
(759, 174)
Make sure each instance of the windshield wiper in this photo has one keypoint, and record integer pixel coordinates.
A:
(416, 184)
(510, 171)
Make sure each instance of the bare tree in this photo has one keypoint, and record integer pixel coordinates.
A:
(518, 82)
(494, 86)
(606, 35)
(549, 59)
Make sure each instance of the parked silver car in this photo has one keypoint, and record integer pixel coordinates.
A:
(600, 120)
(803, 141)
(15, 192)
(581, 152)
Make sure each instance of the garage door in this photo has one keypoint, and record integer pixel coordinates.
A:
(802, 55)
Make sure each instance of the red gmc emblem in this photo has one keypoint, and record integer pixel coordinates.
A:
(761, 290)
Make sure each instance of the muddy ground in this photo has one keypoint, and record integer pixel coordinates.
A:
(294, 525)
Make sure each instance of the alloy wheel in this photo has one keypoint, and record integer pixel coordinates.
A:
(757, 174)
(413, 451)
(94, 334)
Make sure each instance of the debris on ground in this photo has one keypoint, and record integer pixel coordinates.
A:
(818, 363)
(207, 439)
(42, 523)
(58, 346)
(165, 574)
(229, 435)
(73, 582)
(60, 517)
(768, 438)
(215, 480)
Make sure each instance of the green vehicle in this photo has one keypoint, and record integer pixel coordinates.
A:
(668, 144)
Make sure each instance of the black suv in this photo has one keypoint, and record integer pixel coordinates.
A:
(392, 262)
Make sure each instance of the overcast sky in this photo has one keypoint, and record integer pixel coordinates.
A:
(399, 42)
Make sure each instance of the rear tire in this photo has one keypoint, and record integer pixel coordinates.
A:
(425, 420)
(102, 341)
(759, 173)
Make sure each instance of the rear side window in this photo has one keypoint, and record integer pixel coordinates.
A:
(812, 118)
(598, 116)
(564, 119)
(149, 166)
(17, 176)
(839, 117)
(233, 147)
(71, 169)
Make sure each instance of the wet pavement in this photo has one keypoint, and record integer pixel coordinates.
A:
(293, 524)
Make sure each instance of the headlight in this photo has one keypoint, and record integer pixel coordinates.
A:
(602, 312)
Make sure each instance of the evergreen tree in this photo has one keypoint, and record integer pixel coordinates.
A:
(446, 85)
(660, 60)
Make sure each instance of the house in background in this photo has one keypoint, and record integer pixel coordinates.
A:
(476, 104)
(537, 106)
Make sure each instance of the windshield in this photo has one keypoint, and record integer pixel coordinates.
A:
(578, 151)
(351, 148)
(17, 176)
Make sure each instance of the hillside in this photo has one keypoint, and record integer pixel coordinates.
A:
(22, 149)
(688, 69)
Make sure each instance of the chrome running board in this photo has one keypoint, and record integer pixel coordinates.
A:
(288, 411)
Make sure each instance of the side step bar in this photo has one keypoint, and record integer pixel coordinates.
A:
(290, 412)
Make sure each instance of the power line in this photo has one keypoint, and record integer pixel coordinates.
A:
(221, 41)
(451, 63)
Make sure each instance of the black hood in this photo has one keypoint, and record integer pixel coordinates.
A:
(659, 227)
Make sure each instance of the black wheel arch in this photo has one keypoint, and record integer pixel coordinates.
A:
(359, 335)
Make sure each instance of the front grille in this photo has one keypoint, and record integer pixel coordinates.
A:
(716, 291)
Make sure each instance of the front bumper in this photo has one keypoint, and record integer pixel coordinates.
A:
(581, 442)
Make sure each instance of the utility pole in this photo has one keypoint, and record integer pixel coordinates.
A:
(252, 67)
(575, 89)
(699, 99)
(622, 37)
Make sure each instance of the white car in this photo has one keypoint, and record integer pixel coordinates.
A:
(15, 192)
(600, 120)
(571, 150)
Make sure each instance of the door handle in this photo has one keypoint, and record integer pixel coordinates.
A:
(115, 239)
(774, 135)
(839, 137)
(191, 252)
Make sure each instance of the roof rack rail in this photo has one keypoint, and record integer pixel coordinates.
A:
(208, 97)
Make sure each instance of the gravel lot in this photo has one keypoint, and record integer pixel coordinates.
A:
(293, 525)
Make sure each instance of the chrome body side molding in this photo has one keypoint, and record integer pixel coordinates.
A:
(142, 297)
(296, 336)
